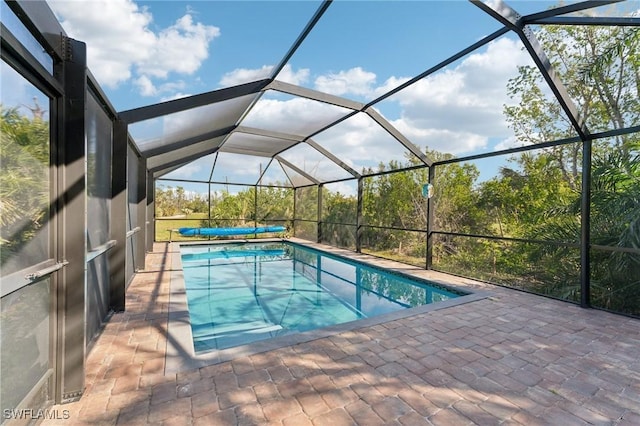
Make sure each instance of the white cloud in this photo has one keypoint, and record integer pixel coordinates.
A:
(121, 44)
(452, 140)
(299, 116)
(362, 143)
(391, 83)
(237, 168)
(347, 188)
(246, 75)
(288, 75)
(185, 172)
(354, 81)
(22, 95)
(180, 48)
(145, 86)
(197, 169)
(458, 110)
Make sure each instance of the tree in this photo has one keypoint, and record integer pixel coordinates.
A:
(600, 68)
(234, 209)
(340, 211)
(166, 204)
(275, 203)
(197, 204)
(615, 222)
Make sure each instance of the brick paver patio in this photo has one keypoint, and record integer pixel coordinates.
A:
(512, 358)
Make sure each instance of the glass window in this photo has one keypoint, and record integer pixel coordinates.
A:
(25, 200)
(19, 31)
(24, 346)
(24, 173)
(99, 137)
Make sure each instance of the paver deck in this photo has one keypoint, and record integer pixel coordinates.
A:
(512, 358)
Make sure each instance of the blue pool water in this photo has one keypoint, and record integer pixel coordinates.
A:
(243, 292)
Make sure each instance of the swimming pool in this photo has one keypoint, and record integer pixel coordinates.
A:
(240, 293)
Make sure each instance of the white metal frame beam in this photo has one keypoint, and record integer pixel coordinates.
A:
(303, 92)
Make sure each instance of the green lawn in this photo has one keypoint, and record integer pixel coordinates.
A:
(164, 227)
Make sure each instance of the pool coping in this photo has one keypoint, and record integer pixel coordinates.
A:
(180, 354)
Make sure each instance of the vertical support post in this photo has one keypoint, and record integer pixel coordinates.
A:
(255, 206)
(70, 291)
(118, 227)
(359, 215)
(141, 199)
(319, 270)
(358, 289)
(585, 227)
(430, 219)
(209, 224)
(150, 221)
(319, 216)
(295, 212)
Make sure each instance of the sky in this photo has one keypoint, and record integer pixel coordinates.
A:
(144, 52)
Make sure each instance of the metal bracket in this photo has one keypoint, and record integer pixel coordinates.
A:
(101, 249)
(35, 276)
(133, 231)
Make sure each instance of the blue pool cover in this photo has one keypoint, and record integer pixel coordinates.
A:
(218, 232)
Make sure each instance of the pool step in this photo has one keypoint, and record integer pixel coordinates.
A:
(253, 327)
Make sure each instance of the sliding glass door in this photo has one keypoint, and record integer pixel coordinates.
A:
(26, 249)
